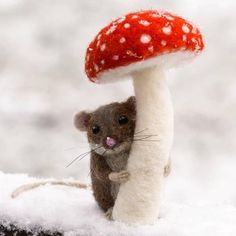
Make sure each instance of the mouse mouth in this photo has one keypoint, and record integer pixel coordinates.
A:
(106, 151)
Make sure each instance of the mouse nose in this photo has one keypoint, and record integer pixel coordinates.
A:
(110, 142)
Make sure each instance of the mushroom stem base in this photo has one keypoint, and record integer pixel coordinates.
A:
(138, 200)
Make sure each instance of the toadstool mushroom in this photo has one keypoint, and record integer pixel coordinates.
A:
(143, 45)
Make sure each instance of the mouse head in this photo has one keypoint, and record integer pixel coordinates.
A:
(110, 128)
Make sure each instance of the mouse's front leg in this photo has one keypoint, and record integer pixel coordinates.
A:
(108, 213)
(119, 177)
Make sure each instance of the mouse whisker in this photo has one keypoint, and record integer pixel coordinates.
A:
(135, 140)
(92, 170)
(147, 135)
(71, 148)
(143, 137)
(141, 131)
(84, 154)
(81, 156)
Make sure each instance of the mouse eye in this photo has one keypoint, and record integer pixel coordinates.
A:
(95, 129)
(123, 120)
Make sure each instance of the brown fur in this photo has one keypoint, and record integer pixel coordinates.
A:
(101, 184)
(102, 164)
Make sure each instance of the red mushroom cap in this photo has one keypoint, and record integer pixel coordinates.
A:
(139, 36)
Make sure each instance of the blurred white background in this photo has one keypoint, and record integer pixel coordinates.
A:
(42, 85)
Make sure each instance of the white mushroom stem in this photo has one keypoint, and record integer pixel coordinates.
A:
(138, 200)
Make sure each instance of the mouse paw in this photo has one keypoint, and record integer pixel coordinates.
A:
(119, 177)
(108, 213)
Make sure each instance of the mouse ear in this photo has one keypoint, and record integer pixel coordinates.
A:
(81, 120)
(131, 100)
(131, 103)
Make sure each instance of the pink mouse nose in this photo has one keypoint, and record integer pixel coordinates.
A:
(110, 142)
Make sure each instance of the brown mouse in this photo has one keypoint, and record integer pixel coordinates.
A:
(110, 131)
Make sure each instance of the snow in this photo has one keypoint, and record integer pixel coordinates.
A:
(74, 212)
(42, 85)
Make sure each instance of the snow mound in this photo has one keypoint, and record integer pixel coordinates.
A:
(74, 212)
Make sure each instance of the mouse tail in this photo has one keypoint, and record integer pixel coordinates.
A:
(28, 187)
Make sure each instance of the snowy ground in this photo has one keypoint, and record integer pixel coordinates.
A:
(42, 85)
(74, 212)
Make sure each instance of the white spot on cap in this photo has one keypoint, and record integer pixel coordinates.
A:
(169, 17)
(194, 30)
(103, 47)
(98, 43)
(167, 30)
(197, 47)
(156, 15)
(145, 38)
(163, 43)
(121, 19)
(134, 17)
(185, 29)
(95, 80)
(115, 57)
(144, 22)
(87, 57)
(151, 49)
(96, 68)
(111, 29)
(90, 49)
(99, 37)
(122, 40)
(184, 38)
(102, 62)
(132, 54)
(126, 25)
(129, 52)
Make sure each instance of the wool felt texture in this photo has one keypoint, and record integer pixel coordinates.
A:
(139, 199)
(133, 45)
(139, 36)
(57, 210)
